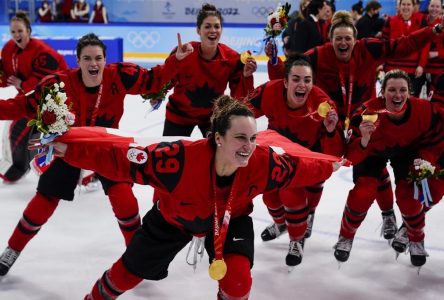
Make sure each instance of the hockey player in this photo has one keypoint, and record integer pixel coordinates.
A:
(232, 170)
(95, 92)
(25, 60)
(292, 106)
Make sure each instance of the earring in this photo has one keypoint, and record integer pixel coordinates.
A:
(218, 144)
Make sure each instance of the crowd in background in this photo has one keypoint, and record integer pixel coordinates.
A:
(78, 11)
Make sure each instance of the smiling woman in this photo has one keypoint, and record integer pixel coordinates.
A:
(204, 76)
(216, 206)
(406, 128)
(25, 61)
(291, 106)
(95, 94)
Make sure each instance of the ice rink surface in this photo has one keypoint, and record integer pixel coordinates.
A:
(82, 240)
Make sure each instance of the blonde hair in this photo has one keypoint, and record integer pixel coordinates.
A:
(342, 18)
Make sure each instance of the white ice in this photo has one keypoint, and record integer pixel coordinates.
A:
(82, 240)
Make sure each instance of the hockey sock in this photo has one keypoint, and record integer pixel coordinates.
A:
(236, 284)
(126, 209)
(37, 213)
(314, 194)
(384, 197)
(359, 200)
(275, 207)
(113, 283)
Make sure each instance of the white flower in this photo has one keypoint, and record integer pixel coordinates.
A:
(48, 97)
(62, 84)
(62, 97)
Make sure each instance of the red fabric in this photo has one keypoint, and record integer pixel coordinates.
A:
(36, 214)
(359, 200)
(46, 17)
(270, 100)
(125, 208)
(396, 27)
(33, 63)
(367, 55)
(276, 71)
(199, 82)
(171, 168)
(119, 79)
(98, 14)
(117, 278)
(434, 65)
(412, 211)
(237, 282)
(390, 135)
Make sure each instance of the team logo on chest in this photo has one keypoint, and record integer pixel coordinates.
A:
(137, 156)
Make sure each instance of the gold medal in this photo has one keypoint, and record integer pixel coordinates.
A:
(346, 124)
(372, 118)
(323, 109)
(244, 56)
(217, 269)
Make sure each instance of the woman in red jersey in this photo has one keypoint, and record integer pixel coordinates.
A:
(389, 128)
(25, 61)
(434, 60)
(95, 92)
(232, 170)
(204, 76)
(345, 70)
(405, 23)
(293, 106)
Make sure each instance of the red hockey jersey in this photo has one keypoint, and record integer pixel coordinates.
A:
(396, 27)
(183, 174)
(199, 82)
(119, 79)
(30, 64)
(303, 126)
(420, 128)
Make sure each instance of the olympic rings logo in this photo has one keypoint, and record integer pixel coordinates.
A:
(143, 39)
(261, 11)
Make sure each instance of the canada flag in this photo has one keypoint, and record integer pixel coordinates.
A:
(136, 154)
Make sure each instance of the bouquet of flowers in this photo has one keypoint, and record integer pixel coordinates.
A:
(157, 98)
(419, 173)
(277, 22)
(53, 115)
(53, 118)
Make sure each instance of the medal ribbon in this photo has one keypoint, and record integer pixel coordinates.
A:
(96, 106)
(220, 232)
(15, 63)
(347, 101)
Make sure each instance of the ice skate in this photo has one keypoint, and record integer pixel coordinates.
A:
(273, 231)
(310, 220)
(389, 228)
(295, 253)
(7, 259)
(400, 241)
(342, 249)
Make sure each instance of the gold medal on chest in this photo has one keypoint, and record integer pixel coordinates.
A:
(217, 269)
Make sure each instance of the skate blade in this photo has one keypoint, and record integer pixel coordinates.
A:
(397, 255)
(339, 264)
(290, 269)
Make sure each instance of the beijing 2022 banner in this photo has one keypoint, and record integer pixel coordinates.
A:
(185, 11)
